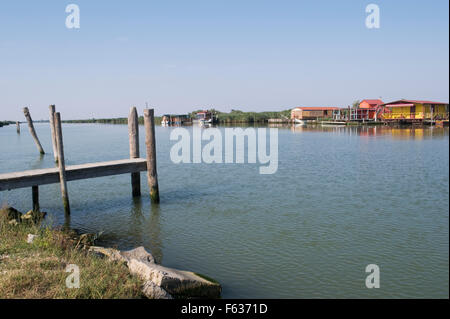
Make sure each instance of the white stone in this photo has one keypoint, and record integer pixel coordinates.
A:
(175, 282)
(31, 238)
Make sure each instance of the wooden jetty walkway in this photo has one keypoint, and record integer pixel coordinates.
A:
(45, 176)
(62, 174)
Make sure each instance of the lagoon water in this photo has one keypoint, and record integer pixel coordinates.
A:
(342, 198)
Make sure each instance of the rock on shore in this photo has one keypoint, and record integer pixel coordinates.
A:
(162, 282)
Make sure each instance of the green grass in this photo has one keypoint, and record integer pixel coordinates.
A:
(38, 270)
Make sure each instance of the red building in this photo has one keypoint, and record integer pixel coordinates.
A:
(368, 109)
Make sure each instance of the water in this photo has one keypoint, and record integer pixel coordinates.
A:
(342, 198)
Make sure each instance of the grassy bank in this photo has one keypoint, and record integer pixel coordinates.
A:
(38, 270)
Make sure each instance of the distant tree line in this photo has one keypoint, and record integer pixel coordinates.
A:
(4, 123)
(119, 120)
(235, 116)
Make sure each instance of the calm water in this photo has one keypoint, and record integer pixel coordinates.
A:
(342, 198)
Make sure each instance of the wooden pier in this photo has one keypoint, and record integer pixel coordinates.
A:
(46, 176)
(62, 174)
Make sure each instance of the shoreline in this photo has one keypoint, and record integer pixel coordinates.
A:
(35, 260)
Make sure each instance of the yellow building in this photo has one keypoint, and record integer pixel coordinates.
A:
(411, 110)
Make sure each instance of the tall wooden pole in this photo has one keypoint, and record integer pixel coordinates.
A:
(62, 166)
(18, 127)
(152, 175)
(35, 192)
(52, 127)
(32, 131)
(133, 132)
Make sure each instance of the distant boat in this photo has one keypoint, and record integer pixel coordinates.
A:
(204, 118)
(205, 123)
(297, 121)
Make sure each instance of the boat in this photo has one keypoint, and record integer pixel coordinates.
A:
(204, 118)
(297, 121)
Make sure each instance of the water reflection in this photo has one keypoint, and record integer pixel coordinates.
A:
(146, 230)
(153, 233)
(397, 132)
(38, 163)
(137, 218)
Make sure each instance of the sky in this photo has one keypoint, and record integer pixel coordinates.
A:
(180, 56)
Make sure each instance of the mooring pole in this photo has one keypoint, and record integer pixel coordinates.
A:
(62, 166)
(52, 127)
(32, 131)
(152, 175)
(18, 127)
(35, 191)
(133, 132)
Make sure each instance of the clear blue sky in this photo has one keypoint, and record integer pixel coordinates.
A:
(250, 55)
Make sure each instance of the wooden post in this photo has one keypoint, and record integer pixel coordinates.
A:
(152, 175)
(35, 191)
(133, 132)
(18, 127)
(62, 166)
(32, 131)
(52, 127)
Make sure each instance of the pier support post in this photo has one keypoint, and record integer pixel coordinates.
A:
(32, 131)
(133, 133)
(62, 165)
(152, 175)
(35, 191)
(52, 127)
(18, 127)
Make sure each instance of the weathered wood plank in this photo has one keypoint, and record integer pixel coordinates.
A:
(133, 132)
(26, 112)
(53, 131)
(35, 196)
(61, 162)
(152, 174)
(73, 172)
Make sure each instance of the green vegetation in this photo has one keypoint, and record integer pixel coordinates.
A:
(4, 123)
(237, 116)
(38, 269)
(120, 120)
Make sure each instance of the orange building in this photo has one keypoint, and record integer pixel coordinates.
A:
(368, 109)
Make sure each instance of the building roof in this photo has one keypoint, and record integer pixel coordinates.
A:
(316, 108)
(373, 102)
(413, 102)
